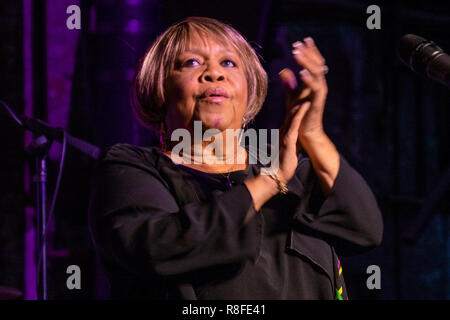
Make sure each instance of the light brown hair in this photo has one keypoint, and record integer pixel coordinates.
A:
(149, 84)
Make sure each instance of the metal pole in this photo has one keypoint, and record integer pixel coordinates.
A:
(41, 181)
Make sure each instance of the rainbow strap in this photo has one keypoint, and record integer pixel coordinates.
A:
(339, 291)
(339, 294)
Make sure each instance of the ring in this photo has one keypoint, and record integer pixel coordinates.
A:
(325, 69)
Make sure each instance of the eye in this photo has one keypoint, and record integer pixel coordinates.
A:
(228, 63)
(191, 63)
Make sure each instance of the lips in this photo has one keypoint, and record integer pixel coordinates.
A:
(214, 95)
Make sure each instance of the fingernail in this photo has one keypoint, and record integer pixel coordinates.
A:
(287, 80)
(297, 44)
(282, 71)
(297, 52)
(309, 39)
(291, 84)
(305, 73)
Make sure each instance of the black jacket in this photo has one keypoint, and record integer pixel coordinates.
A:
(165, 231)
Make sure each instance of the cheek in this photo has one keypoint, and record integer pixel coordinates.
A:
(243, 94)
(180, 90)
(181, 95)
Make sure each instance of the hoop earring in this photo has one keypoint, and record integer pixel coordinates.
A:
(244, 123)
(241, 131)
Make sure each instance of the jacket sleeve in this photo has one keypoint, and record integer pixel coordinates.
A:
(349, 217)
(136, 223)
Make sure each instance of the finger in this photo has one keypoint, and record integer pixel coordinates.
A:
(297, 115)
(312, 54)
(302, 112)
(288, 118)
(310, 44)
(312, 82)
(308, 51)
(290, 113)
(288, 79)
(290, 85)
(294, 126)
(319, 88)
(305, 94)
(308, 63)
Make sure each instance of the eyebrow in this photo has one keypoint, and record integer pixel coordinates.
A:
(200, 52)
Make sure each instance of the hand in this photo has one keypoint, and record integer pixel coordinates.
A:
(314, 88)
(263, 187)
(289, 135)
(302, 127)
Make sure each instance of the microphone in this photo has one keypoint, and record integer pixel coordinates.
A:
(425, 57)
(56, 133)
(53, 133)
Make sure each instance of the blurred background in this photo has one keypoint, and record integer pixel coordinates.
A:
(391, 124)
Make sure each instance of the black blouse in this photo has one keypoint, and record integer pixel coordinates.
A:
(166, 231)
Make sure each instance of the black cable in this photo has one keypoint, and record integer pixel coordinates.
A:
(11, 113)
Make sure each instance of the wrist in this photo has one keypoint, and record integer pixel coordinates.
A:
(270, 183)
(317, 134)
(313, 139)
(262, 188)
(277, 181)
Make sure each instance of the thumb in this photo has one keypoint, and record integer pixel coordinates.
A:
(290, 85)
(294, 126)
(294, 93)
(288, 79)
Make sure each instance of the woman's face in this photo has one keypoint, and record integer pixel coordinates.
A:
(207, 83)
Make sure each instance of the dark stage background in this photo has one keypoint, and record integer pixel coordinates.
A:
(392, 125)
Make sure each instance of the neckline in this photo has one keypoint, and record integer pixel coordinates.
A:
(212, 174)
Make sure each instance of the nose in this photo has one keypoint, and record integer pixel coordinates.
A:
(212, 74)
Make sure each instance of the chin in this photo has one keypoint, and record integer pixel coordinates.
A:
(215, 123)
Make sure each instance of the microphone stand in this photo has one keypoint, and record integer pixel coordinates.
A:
(40, 147)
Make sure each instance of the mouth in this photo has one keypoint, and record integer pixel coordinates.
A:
(214, 95)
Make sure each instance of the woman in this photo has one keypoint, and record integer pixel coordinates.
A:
(193, 229)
